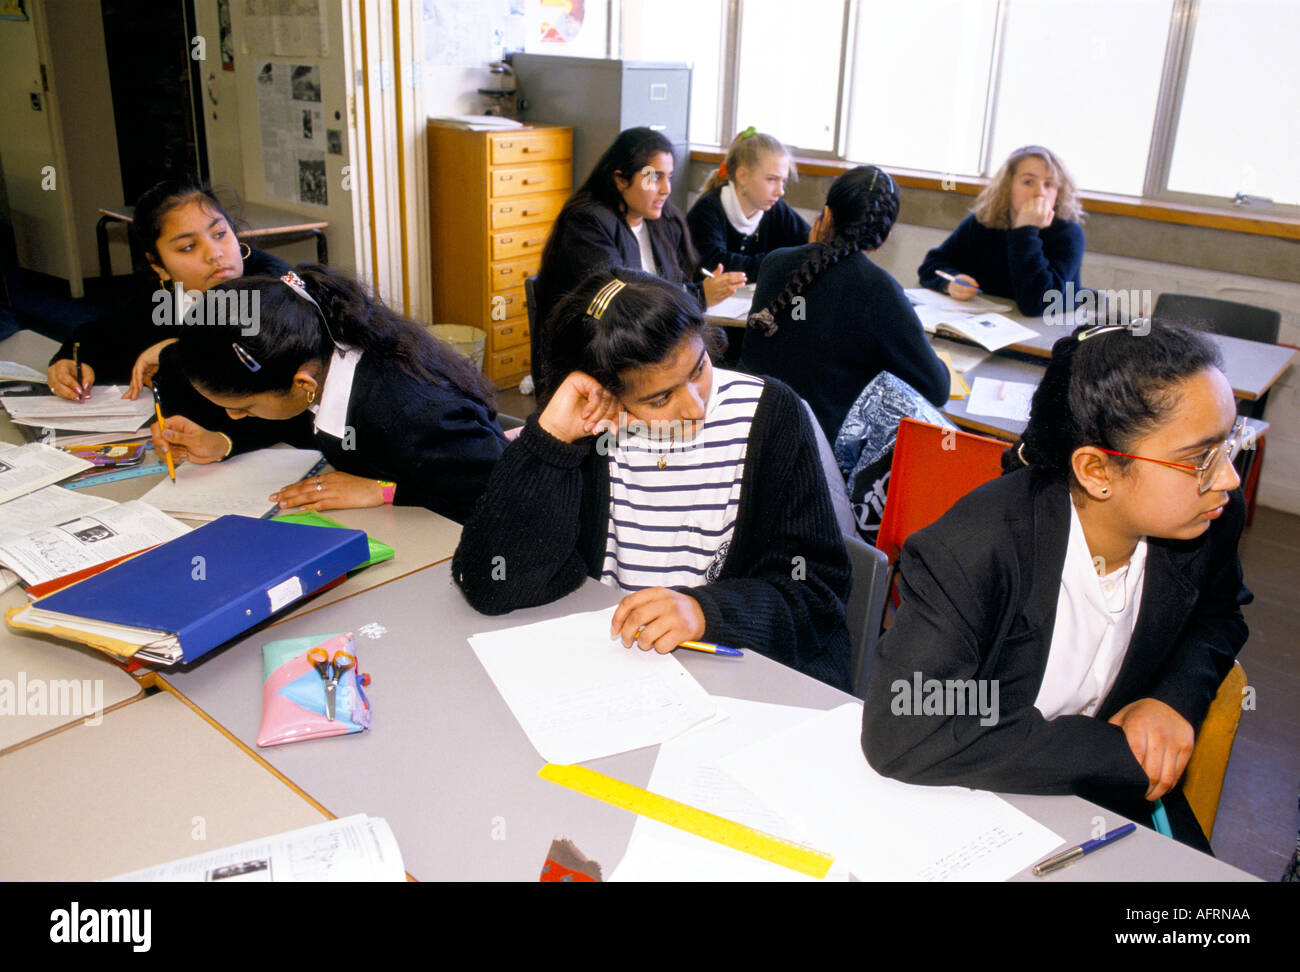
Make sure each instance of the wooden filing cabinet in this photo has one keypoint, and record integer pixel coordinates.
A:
(492, 199)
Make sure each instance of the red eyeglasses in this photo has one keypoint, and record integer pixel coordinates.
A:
(1208, 469)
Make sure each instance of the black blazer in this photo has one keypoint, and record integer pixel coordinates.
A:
(979, 594)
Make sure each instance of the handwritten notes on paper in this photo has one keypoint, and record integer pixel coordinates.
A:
(579, 694)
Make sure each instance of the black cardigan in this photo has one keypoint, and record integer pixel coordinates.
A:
(436, 444)
(855, 323)
(717, 241)
(591, 236)
(1023, 263)
(979, 594)
(786, 575)
(111, 345)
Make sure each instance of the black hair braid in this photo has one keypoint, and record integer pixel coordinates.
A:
(863, 204)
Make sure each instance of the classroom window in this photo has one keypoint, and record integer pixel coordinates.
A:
(1257, 101)
(652, 31)
(788, 81)
(1082, 79)
(947, 83)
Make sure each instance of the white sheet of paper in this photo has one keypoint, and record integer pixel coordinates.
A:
(1002, 399)
(356, 848)
(46, 507)
(685, 771)
(736, 306)
(88, 540)
(924, 297)
(579, 694)
(104, 411)
(33, 466)
(883, 830)
(240, 485)
(15, 371)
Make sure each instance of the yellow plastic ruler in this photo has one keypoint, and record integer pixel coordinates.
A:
(778, 850)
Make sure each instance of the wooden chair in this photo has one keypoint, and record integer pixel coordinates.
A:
(1203, 777)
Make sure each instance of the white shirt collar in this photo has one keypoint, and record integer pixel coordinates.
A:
(332, 407)
(745, 226)
(1095, 618)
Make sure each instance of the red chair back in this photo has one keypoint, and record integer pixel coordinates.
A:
(933, 468)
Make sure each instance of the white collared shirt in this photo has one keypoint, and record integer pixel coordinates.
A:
(1095, 617)
(742, 224)
(642, 234)
(331, 409)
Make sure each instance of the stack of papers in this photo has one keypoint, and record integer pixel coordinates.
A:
(758, 768)
(356, 848)
(13, 371)
(238, 486)
(579, 694)
(105, 410)
(26, 469)
(86, 540)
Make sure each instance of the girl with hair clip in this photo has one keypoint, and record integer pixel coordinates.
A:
(696, 490)
(1022, 239)
(402, 417)
(1093, 593)
(740, 216)
(189, 240)
(828, 320)
(622, 217)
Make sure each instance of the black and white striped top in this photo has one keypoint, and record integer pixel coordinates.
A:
(672, 526)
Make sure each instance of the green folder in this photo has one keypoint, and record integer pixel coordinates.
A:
(379, 551)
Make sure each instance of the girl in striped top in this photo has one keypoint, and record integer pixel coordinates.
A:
(696, 490)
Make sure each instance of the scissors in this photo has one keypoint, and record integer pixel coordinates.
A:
(331, 670)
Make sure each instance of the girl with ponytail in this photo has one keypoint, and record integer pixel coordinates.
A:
(400, 415)
(1093, 593)
(740, 217)
(827, 320)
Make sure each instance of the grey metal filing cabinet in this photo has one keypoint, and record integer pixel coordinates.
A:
(599, 98)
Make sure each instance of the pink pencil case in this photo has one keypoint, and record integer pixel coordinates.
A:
(293, 694)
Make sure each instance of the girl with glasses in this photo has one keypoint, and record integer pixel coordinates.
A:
(1096, 585)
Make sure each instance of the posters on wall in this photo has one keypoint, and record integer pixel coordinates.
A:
(460, 34)
(293, 132)
(285, 28)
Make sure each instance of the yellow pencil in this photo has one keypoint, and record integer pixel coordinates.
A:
(162, 429)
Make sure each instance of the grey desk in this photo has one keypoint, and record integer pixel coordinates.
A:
(999, 368)
(447, 765)
(73, 679)
(153, 783)
(1251, 367)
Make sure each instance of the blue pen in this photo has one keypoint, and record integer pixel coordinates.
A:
(951, 279)
(712, 649)
(1160, 819)
(1057, 861)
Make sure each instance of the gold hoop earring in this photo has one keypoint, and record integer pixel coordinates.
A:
(245, 250)
(311, 395)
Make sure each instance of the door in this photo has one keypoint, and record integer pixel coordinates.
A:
(34, 171)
